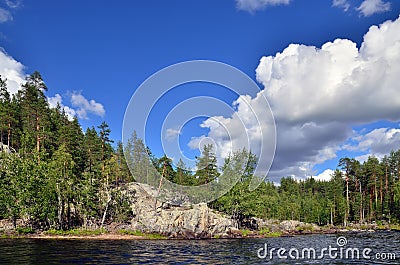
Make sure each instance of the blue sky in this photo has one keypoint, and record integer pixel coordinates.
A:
(94, 54)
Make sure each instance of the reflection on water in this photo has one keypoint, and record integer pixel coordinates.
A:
(237, 251)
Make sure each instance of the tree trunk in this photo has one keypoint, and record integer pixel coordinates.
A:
(381, 194)
(361, 204)
(371, 194)
(107, 203)
(376, 196)
(38, 138)
(346, 216)
(105, 210)
(159, 186)
(9, 135)
(387, 189)
(60, 208)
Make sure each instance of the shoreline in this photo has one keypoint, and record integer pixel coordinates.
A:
(112, 235)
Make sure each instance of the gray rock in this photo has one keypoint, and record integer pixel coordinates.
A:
(186, 221)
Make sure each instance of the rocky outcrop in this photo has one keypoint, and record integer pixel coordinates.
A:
(179, 221)
(176, 217)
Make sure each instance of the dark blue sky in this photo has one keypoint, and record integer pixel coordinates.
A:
(103, 50)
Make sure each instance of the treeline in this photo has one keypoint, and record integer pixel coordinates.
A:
(54, 175)
(357, 193)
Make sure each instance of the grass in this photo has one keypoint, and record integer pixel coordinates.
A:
(307, 227)
(395, 227)
(140, 233)
(131, 232)
(24, 230)
(155, 236)
(76, 232)
(245, 232)
(267, 233)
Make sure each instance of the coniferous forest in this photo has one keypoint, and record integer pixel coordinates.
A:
(54, 175)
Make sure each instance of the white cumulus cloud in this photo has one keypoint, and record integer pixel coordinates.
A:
(377, 142)
(370, 7)
(318, 94)
(337, 82)
(12, 70)
(254, 5)
(85, 106)
(326, 175)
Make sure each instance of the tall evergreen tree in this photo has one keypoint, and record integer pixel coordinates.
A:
(207, 169)
(35, 115)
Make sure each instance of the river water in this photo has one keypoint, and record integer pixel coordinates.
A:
(372, 248)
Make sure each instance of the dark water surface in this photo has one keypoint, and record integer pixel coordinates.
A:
(385, 249)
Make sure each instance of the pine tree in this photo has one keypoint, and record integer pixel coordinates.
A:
(7, 114)
(105, 143)
(207, 169)
(35, 114)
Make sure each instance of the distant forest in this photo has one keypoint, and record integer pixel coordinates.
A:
(54, 175)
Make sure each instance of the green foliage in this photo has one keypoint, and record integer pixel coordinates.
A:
(24, 230)
(245, 232)
(265, 232)
(55, 176)
(130, 232)
(76, 232)
(206, 164)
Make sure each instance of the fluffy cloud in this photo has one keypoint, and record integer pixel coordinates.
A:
(53, 101)
(324, 176)
(57, 100)
(85, 106)
(377, 142)
(254, 5)
(337, 82)
(12, 70)
(318, 94)
(370, 7)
